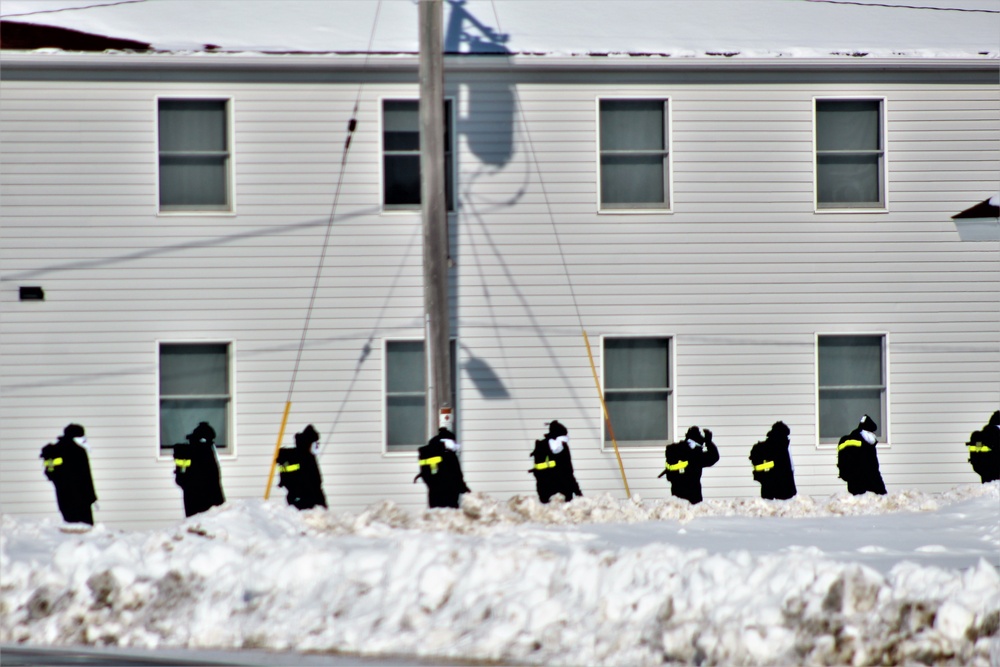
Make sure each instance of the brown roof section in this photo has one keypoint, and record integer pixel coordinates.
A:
(983, 209)
(28, 36)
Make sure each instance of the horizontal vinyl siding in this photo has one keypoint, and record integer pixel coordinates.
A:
(742, 274)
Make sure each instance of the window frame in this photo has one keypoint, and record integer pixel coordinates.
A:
(229, 452)
(230, 172)
(449, 152)
(606, 444)
(883, 172)
(454, 350)
(668, 179)
(883, 420)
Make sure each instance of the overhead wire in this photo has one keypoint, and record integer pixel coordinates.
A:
(562, 258)
(352, 125)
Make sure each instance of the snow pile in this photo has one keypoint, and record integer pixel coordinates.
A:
(493, 582)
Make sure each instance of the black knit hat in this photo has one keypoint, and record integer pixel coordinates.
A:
(694, 434)
(307, 437)
(780, 429)
(868, 424)
(73, 431)
(202, 433)
(556, 429)
(995, 419)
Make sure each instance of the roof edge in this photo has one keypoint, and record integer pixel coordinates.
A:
(110, 61)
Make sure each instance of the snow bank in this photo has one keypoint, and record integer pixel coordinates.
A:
(493, 582)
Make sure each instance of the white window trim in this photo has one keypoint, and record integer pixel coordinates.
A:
(668, 207)
(452, 117)
(884, 172)
(231, 451)
(230, 101)
(885, 443)
(607, 445)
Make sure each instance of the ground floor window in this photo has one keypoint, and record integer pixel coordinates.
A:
(851, 372)
(406, 394)
(195, 387)
(638, 390)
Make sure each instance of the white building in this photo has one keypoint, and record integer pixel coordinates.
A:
(746, 206)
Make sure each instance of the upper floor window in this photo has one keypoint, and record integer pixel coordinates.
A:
(638, 391)
(194, 155)
(635, 154)
(194, 387)
(851, 372)
(401, 155)
(850, 154)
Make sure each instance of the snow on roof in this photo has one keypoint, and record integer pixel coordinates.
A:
(676, 28)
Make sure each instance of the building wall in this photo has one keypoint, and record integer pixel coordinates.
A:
(742, 274)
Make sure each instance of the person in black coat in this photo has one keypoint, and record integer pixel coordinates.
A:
(68, 467)
(686, 460)
(984, 450)
(772, 464)
(197, 471)
(300, 472)
(857, 459)
(441, 470)
(553, 468)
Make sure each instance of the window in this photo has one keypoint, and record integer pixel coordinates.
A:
(194, 387)
(635, 154)
(401, 154)
(194, 155)
(637, 390)
(406, 394)
(851, 383)
(850, 154)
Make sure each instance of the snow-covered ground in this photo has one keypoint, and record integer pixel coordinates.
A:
(906, 578)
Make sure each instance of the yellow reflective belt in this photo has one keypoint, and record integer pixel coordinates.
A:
(432, 462)
(979, 448)
(848, 443)
(183, 464)
(766, 465)
(545, 464)
(291, 467)
(52, 463)
(680, 465)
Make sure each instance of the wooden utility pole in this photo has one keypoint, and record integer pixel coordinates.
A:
(434, 208)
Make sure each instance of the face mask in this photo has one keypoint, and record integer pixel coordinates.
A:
(82, 440)
(314, 448)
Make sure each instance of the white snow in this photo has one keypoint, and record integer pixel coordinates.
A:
(908, 577)
(673, 28)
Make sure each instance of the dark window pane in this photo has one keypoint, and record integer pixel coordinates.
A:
(197, 182)
(841, 410)
(632, 179)
(179, 417)
(848, 179)
(846, 361)
(405, 366)
(847, 125)
(196, 369)
(638, 417)
(636, 363)
(192, 125)
(402, 180)
(632, 125)
(406, 420)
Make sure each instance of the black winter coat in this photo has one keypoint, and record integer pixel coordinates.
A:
(684, 466)
(772, 467)
(68, 467)
(441, 471)
(196, 471)
(857, 462)
(984, 453)
(300, 476)
(554, 472)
